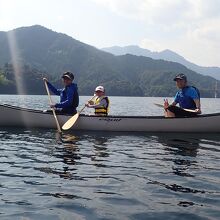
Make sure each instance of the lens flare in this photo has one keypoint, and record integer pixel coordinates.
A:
(17, 67)
(16, 62)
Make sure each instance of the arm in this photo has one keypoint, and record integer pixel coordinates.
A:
(102, 103)
(174, 103)
(54, 90)
(68, 102)
(196, 99)
(198, 106)
(166, 103)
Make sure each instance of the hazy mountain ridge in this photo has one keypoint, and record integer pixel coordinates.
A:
(164, 55)
(45, 52)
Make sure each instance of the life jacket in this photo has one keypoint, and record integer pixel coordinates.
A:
(193, 104)
(102, 110)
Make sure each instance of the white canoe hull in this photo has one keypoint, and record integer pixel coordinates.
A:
(11, 116)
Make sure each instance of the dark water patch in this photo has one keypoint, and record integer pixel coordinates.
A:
(168, 215)
(19, 175)
(34, 183)
(177, 188)
(23, 203)
(62, 195)
(185, 203)
(106, 193)
(62, 174)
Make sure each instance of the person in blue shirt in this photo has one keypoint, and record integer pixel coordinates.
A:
(69, 98)
(187, 97)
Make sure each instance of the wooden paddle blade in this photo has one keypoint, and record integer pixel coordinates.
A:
(70, 122)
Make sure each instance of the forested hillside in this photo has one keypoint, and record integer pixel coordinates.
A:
(42, 52)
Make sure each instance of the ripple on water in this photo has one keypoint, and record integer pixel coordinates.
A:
(108, 176)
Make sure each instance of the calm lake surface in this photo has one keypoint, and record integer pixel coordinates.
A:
(95, 175)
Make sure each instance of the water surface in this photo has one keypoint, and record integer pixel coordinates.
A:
(95, 175)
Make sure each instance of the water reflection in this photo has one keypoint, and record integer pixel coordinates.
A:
(183, 151)
(65, 149)
(68, 149)
(97, 148)
(100, 151)
(91, 173)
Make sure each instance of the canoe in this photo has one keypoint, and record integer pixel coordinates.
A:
(13, 116)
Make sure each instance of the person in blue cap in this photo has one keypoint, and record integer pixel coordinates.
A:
(69, 97)
(188, 98)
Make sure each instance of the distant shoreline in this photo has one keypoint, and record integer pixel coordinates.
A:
(169, 97)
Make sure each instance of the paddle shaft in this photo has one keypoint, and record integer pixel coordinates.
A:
(73, 119)
(85, 105)
(54, 113)
(81, 110)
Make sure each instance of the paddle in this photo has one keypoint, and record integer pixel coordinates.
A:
(73, 119)
(50, 101)
(186, 109)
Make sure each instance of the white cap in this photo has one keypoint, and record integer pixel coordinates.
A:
(100, 88)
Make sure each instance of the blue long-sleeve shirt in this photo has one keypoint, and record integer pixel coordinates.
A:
(69, 98)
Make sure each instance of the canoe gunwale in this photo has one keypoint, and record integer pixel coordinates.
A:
(109, 116)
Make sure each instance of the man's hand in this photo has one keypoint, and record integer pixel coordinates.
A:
(52, 106)
(45, 80)
(198, 111)
(166, 103)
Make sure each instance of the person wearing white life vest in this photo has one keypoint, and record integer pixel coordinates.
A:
(100, 102)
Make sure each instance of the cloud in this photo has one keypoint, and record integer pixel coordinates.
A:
(150, 11)
(168, 15)
(204, 43)
(154, 9)
(203, 9)
(209, 33)
(186, 26)
(151, 45)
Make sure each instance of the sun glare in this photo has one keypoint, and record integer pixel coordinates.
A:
(16, 62)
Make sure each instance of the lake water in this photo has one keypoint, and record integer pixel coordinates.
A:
(95, 175)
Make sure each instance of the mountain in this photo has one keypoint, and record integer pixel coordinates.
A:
(43, 52)
(30, 78)
(164, 55)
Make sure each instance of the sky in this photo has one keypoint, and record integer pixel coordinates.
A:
(190, 28)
